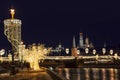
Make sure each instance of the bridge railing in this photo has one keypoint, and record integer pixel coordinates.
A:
(64, 57)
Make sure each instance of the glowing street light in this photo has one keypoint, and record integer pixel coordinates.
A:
(111, 51)
(103, 50)
(94, 51)
(78, 52)
(86, 50)
(67, 50)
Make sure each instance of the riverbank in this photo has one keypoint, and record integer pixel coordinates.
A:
(25, 74)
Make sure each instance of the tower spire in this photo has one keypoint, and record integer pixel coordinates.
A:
(74, 49)
(74, 43)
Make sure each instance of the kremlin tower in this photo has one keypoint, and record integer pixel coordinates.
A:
(74, 49)
(81, 43)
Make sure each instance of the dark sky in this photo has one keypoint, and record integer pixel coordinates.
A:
(53, 22)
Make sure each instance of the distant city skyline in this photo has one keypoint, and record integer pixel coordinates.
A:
(42, 23)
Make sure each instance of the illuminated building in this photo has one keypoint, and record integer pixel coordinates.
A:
(74, 43)
(59, 50)
(88, 44)
(12, 29)
(74, 49)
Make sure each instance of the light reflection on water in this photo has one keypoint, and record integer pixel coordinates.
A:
(89, 73)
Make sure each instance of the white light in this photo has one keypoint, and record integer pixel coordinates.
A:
(51, 68)
(86, 50)
(2, 51)
(104, 50)
(94, 51)
(67, 50)
(111, 51)
(78, 51)
(12, 11)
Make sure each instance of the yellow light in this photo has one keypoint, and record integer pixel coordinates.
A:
(12, 11)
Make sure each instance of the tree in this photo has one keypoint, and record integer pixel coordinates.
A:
(35, 53)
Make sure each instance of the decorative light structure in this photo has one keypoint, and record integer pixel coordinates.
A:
(34, 54)
(12, 29)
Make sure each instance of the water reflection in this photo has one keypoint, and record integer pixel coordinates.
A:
(67, 73)
(89, 73)
(78, 74)
(103, 74)
(112, 74)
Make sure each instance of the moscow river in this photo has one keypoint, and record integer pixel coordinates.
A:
(89, 73)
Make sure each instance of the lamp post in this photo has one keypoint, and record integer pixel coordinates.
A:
(94, 51)
(86, 50)
(103, 50)
(78, 52)
(67, 50)
(111, 52)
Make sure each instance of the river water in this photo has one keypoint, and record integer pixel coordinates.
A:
(89, 73)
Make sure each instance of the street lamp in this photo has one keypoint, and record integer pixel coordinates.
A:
(78, 52)
(111, 52)
(86, 50)
(94, 51)
(103, 50)
(67, 50)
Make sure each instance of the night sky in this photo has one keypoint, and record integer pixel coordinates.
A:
(53, 22)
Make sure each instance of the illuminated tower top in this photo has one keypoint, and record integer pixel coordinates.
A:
(74, 43)
(12, 12)
(87, 42)
(81, 43)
